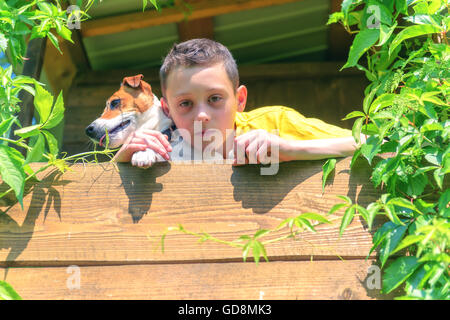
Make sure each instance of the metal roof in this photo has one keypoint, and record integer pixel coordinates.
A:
(290, 32)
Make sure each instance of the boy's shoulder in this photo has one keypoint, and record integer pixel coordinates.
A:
(268, 112)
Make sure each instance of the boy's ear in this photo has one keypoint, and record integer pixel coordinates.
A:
(165, 106)
(241, 95)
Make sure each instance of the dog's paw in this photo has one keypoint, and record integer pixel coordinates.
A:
(144, 159)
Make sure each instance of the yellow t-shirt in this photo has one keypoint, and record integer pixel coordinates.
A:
(291, 125)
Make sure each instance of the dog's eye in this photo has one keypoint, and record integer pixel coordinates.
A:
(114, 103)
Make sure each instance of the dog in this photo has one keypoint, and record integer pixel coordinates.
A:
(132, 107)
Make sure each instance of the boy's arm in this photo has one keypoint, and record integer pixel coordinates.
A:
(258, 144)
(318, 148)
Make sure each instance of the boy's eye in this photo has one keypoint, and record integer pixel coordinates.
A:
(185, 104)
(215, 99)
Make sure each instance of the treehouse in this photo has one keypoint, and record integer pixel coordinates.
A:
(96, 232)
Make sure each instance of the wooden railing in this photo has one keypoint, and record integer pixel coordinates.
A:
(106, 226)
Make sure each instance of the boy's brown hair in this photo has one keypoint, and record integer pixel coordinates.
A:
(198, 52)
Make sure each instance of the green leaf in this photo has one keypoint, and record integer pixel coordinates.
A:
(328, 167)
(54, 40)
(400, 270)
(431, 127)
(5, 125)
(65, 33)
(407, 241)
(380, 235)
(43, 102)
(355, 157)
(346, 199)
(335, 17)
(11, 170)
(363, 41)
(336, 207)
(382, 102)
(314, 216)
(371, 148)
(390, 242)
(346, 219)
(392, 214)
(401, 6)
(401, 202)
(410, 32)
(368, 99)
(245, 250)
(345, 6)
(439, 177)
(356, 130)
(57, 113)
(372, 210)
(260, 233)
(45, 7)
(28, 131)
(385, 33)
(444, 201)
(369, 129)
(258, 250)
(37, 151)
(354, 114)
(7, 292)
(52, 142)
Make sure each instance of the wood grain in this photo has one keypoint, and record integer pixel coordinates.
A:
(225, 281)
(94, 215)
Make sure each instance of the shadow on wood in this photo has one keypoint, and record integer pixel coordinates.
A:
(262, 193)
(44, 196)
(139, 185)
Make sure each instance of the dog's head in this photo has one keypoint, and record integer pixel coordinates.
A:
(123, 113)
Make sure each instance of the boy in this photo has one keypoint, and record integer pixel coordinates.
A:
(201, 94)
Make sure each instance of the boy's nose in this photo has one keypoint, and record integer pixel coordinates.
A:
(202, 115)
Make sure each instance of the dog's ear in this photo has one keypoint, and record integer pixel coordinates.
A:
(136, 82)
(133, 82)
(146, 88)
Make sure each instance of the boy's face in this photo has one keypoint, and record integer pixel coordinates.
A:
(204, 94)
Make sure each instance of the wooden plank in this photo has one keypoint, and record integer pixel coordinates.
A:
(77, 52)
(95, 215)
(200, 9)
(198, 28)
(225, 281)
(59, 68)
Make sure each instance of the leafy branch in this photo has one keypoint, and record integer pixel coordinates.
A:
(254, 243)
(405, 113)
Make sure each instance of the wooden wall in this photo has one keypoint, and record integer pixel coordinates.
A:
(315, 89)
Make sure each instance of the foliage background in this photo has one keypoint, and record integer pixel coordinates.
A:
(401, 45)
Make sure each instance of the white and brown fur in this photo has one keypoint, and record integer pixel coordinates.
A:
(131, 108)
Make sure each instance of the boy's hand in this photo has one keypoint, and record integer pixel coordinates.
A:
(259, 146)
(141, 140)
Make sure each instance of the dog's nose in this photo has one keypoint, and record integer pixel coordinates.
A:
(90, 130)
